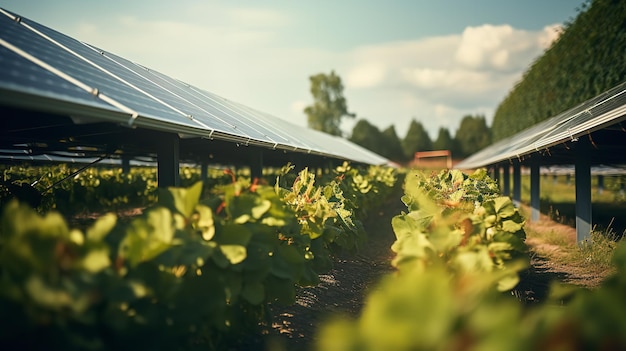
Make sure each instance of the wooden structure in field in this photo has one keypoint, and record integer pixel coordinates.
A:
(420, 155)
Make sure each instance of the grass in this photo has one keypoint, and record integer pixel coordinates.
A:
(597, 251)
(584, 264)
(558, 199)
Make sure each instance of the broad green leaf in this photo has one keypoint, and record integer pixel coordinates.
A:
(457, 196)
(244, 218)
(444, 238)
(253, 292)
(510, 238)
(511, 226)
(412, 311)
(159, 222)
(102, 227)
(499, 246)
(76, 236)
(234, 234)
(474, 261)
(149, 236)
(261, 208)
(96, 260)
(457, 177)
(287, 262)
(183, 200)
(504, 207)
(509, 282)
(234, 253)
(273, 222)
(53, 297)
(203, 221)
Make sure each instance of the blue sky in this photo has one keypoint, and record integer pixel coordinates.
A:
(433, 61)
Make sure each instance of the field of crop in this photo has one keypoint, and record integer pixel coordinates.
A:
(236, 264)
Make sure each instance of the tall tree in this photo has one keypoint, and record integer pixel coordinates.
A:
(367, 135)
(392, 145)
(445, 141)
(473, 135)
(416, 139)
(329, 104)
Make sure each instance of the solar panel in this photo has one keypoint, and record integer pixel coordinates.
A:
(90, 68)
(21, 75)
(40, 62)
(601, 111)
(164, 91)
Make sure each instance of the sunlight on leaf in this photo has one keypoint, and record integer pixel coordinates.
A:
(234, 253)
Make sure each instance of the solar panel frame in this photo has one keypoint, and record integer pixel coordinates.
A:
(603, 110)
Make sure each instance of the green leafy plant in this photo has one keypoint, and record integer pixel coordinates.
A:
(188, 272)
(453, 262)
(449, 220)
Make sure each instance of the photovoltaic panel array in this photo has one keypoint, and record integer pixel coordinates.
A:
(45, 70)
(606, 109)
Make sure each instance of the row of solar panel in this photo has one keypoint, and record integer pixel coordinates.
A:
(38, 61)
(605, 109)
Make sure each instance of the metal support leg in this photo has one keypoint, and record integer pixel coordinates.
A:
(168, 155)
(517, 183)
(582, 167)
(535, 181)
(506, 180)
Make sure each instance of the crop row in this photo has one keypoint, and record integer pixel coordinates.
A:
(192, 271)
(459, 250)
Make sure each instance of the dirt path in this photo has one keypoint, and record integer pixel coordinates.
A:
(341, 290)
(549, 260)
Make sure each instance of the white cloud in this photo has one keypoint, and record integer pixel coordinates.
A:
(453, 79)
(549, 35)
(484, 45)
(438, 80)
(366, 76)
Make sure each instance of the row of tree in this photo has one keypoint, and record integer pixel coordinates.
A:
(586, 60)
(472, 135)
(330, 107)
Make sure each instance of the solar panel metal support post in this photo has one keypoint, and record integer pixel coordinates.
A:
(204, 170)
(125, 164)
(298, 162)
(256, 164)
(506, 180)
(517, 183)
(582, 178)
(168, 155)
(535, 181)
(495, 173)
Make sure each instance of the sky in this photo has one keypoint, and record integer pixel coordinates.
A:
(433, 61)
